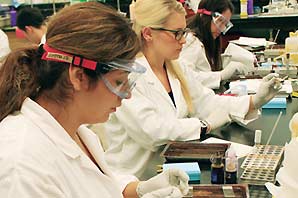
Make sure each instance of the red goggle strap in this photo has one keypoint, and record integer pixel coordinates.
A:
(204, 11)
(52, 54)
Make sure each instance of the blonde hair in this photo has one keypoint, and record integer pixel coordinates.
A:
(155, 13)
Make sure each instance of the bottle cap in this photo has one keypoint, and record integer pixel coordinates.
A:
(258, 135)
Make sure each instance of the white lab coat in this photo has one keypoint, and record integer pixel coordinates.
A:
(4, 46)
(142, 125)
(39, 159)
(193, 55)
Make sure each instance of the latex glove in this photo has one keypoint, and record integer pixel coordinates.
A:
(267, 90)
(168, 178)
(218, 118)
(234, 68)
(293, 125)
(169, 192)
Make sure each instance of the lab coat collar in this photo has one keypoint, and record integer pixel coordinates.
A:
(94, 146)
(152, 79)
(50, 127)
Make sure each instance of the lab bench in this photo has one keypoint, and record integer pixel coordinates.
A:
(285, 21)
(245, 135)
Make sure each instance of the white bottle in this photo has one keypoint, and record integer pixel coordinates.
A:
(257, 140)
(258, 136)
(132, 10)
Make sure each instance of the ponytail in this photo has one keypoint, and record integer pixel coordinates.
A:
(175, 69)
(18, 80)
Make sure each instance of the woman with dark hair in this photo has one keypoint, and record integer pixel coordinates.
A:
(202, 50)
(80, 75)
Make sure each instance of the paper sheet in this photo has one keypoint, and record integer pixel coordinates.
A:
(252, 85)
(242, 150)
(253, 42)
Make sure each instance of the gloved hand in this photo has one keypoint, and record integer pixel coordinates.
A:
(267, 90)
(168, 192)
(234, 68)
(168, 178)
(218, 118)
(293, 125)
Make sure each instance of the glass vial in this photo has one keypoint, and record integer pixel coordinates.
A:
(231, 166)
(217, 170)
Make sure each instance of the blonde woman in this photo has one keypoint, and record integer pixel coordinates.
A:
(168, 102)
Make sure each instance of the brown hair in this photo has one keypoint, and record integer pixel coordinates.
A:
(200, 24)
(90, 30)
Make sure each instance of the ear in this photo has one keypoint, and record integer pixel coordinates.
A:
(77, 78)
(28, 29)
(147, 34)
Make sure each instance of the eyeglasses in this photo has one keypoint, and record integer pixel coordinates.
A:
(222, 24)
(178, 33)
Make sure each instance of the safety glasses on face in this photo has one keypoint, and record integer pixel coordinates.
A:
(222, 24)
(178, 33)
(122, 89)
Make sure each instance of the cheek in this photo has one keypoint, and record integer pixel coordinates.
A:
(213, 28)
(168, 48)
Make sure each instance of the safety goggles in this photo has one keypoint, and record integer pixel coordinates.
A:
(121, 88)
(221, 23)
(178, 33)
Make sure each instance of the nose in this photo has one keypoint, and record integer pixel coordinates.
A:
(128, 95)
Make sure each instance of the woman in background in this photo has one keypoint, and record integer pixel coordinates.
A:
(202, 51)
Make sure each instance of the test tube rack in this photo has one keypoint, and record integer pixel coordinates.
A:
(261, 165)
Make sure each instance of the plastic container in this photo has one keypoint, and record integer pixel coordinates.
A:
(258, 136)
(13, 17)
(132, 10)
(250, 7)
(291, 47)
(231, 166)
(243, 9)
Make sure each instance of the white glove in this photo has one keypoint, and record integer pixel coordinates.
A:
(234, 68)
(267, 90)
(218, 118)
(168, 192)
(171, 177)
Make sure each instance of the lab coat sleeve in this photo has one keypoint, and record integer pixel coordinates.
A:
(27, 183)
(124, 180)
(4, 47)
(151, 127)
(206, 101)
(193, 56)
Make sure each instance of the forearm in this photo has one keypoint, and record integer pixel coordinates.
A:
(251, 104)
(130, 190)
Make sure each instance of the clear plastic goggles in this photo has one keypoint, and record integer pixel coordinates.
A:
(222, 24)
(121, 88)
